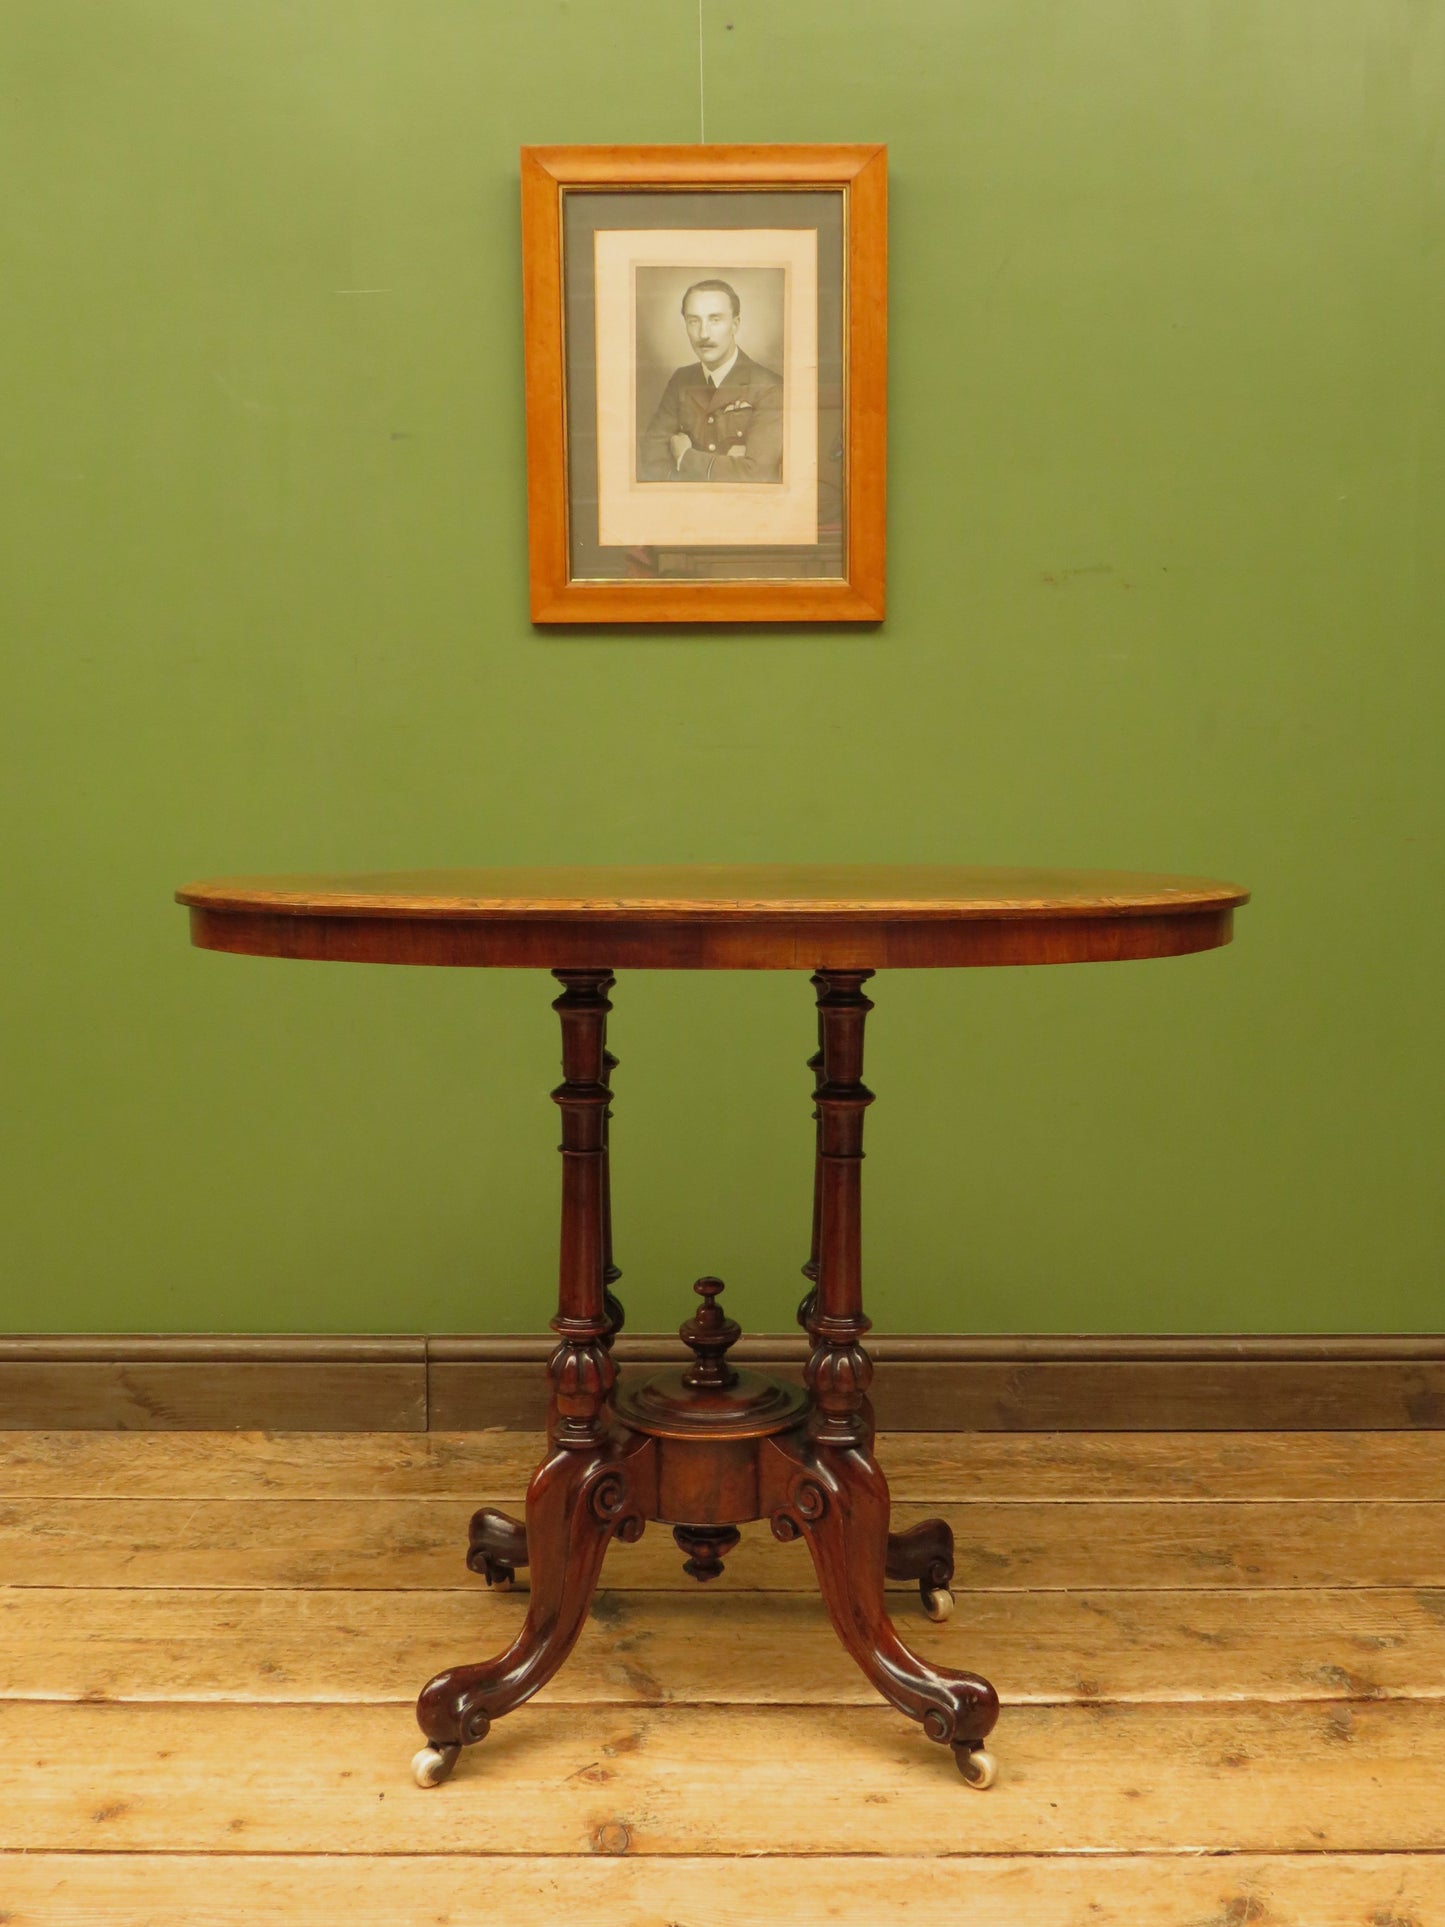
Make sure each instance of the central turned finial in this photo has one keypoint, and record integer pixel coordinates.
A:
(708, 1334)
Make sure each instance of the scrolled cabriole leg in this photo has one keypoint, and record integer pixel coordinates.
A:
(577, 1503)
(821, 1482)
(836, 1499)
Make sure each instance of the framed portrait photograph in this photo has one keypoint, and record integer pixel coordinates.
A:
(706, 341)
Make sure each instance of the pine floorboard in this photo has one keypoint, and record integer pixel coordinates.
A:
(663, 1647)
(381, 1890)
(1019, 1545)
(926, 1466)
(1221, 1657)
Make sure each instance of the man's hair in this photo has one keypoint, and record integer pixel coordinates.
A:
(714, 287)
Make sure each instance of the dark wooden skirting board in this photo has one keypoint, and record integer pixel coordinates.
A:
(213, 1383)
(923, 1383)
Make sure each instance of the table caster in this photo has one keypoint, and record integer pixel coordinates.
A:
(433, 1764)
(937, 1603)
(496, 1546)
(979, 1768)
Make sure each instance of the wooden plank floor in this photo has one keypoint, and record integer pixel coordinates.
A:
(1221, 1658)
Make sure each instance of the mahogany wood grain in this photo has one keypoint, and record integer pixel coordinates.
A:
(497, 1545)
(834, 1497)
(699, 917)
(611, 1271)
(839, 1371)
(580, 1499)
(708, 1449)
(711, 1449)
(706, 1548)
(581, 1370)
(809, 1300)
(734, 891)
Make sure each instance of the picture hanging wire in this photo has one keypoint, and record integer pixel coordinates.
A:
(701, 89)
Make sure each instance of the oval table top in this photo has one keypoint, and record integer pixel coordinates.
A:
(765, 916)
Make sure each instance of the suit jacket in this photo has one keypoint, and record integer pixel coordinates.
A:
(746, 412)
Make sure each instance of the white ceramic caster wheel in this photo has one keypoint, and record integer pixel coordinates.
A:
(979, 1769)
(938, 1604)
(503, 1585)
(432, 1764)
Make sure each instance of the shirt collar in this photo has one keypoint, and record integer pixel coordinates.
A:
(720, 375)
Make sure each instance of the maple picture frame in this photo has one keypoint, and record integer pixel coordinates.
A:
(791, 244)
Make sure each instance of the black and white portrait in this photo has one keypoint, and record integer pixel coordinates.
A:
(709, 382)
(706, 386)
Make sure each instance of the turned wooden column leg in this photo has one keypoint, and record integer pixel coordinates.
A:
(616, 1316)
(839, 1371)
(823, 1483)
(810, 1270)
(496, 1542)
(598, 1480)
(842, 1015)
(581, 1370)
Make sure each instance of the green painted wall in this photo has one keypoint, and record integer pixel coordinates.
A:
(1166, 539)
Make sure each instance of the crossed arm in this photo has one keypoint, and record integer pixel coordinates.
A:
(668, 452)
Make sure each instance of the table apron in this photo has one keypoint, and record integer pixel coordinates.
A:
(721, 943)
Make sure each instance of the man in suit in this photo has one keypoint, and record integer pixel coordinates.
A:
(721, 419)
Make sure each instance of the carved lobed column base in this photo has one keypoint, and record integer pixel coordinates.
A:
(837, 1376)
(582, 1375)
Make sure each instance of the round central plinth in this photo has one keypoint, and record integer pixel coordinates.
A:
(750, 1408)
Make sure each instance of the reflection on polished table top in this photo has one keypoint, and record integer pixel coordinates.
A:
(717, 916)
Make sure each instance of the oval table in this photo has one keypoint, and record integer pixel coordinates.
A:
(705, 1447)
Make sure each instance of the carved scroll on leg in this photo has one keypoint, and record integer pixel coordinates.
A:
(836, 1499)
(576, 1504)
